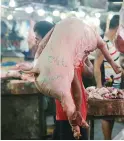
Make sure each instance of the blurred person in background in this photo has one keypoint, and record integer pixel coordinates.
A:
(107, 125)
(4, 31)
(14, 38)
(40, 29)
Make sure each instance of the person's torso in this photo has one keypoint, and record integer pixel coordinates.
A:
(108, 69)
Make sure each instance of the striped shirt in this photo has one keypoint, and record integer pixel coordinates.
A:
(108, 69)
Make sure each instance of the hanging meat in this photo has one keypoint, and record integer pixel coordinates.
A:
(119, 41)
(59, 53)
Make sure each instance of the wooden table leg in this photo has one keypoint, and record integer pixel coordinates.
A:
(42, 118)
(91, 129)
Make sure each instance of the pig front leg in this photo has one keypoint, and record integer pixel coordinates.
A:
(77, 95)
(76, 91)
(68, 104)
(77, 120)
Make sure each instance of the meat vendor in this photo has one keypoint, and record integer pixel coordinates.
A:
(109, 39)
(58, 55)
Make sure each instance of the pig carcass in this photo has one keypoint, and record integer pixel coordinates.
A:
(69, 45)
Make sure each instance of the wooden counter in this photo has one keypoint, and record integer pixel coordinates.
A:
(104, 109)
(97, 109)
(23, 111)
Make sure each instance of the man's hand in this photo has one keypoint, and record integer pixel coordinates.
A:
(116, 68)
(76, 91)
(97, 71)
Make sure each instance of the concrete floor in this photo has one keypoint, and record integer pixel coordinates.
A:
(98, 132)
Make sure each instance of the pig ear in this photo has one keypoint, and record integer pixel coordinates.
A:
(43, 43)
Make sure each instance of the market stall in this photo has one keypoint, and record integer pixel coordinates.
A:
(104, 109)
(104, 103)
(19, 92)
(23, 108)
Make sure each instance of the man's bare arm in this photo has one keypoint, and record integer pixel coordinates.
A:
(76, 86)
(88, 68)
(97, 71)
(76, 91)
(102, 46)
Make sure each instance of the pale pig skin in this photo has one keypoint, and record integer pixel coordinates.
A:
(69, 44)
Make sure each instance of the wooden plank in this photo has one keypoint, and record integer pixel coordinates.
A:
(105, 107)
(22, 87)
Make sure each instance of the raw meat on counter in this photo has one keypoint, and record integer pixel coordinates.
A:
(104, 93)
(16, 73)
